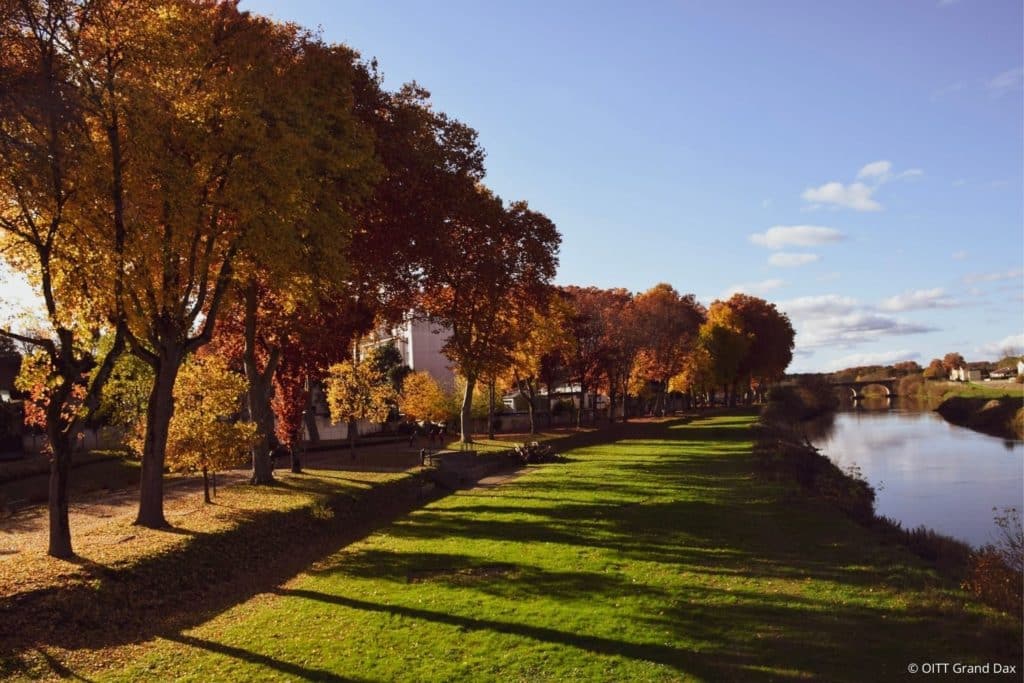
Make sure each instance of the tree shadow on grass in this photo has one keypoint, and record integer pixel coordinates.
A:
(212, 572)
(675, 658)
(305, 673)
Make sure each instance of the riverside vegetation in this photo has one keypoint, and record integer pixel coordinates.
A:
(651, 552)
(994, 573)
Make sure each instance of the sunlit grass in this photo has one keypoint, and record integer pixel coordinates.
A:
(655, 557)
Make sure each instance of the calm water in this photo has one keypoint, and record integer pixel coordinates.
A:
(927, 471)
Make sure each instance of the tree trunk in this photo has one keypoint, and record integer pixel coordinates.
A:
(352, 431)
(531, 410)
(490, 411)
(206, 487)
(261, 414)
(294, 451)
(466, 414)
(154, 450)
(258, 394)
(579, 411)
(60, 467)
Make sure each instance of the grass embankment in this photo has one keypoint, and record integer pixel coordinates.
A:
(995, 408)
(129, 583)
(655, 557)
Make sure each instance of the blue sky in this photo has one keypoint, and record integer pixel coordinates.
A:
(859, 163)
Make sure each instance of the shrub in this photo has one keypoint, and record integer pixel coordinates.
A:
(996, 573)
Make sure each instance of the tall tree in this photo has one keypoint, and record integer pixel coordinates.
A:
(723, 338)
(61, 211)
(621, 344)
(540, 338)
(668, 322)
(587, 329)
(772, 339)
(495, 269)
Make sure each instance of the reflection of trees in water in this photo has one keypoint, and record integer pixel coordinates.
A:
(820, 428)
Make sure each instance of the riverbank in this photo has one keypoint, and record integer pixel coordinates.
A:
(1002, 416)
(650, 553)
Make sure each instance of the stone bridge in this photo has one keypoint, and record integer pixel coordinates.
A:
(857, 387)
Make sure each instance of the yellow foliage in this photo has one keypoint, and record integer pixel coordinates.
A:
(358, 392)
(204, 430)
(423, 398)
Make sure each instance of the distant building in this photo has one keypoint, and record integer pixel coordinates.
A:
(420, 341)
(1020, 367)
(967, 374)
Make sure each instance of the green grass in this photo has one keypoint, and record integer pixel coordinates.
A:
(973, 390)
(653, 557)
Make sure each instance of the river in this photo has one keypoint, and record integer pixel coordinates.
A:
(927, 471)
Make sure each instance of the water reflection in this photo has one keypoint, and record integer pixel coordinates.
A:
(925, 470)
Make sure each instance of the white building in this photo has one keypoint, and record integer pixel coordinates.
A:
(420, 342)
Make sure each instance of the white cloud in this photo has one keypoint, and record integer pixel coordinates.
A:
(960, 255)
(1007, 81)
(855, 196)
(996, 349)
(959, 182)
(825, 304)
(753, 287)
(854, 328)
(858, 195)
(781, 236)
(876, 169)
(918, 300)
(784, 259)
(1015, 274)
(880, 358)
(833, 320)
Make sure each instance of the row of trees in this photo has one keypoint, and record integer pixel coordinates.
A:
(629, 345)
(178, 176)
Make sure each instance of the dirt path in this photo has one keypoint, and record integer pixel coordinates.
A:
(27, 529)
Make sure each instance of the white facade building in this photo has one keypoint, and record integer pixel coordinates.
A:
(420, 342)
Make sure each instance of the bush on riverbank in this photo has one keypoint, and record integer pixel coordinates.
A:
(810, 398)
(996, 572)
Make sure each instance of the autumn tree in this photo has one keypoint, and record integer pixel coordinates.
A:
(423, 398)
(772, 339)
(587, 330)
(668, 323)
(355, 391)
(540, 339)
(61, 217)
(495, 269)
(205, 434)
(726, 342)
(308, 254)
(952, 360)
(621, 345)
(936, 369)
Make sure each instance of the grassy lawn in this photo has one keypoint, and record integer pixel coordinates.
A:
(986, 390)
(653, 557)
(939, 391)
